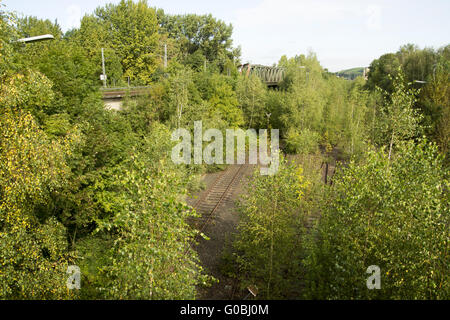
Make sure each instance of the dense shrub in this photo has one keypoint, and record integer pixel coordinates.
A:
(391, 213)
(269, 247)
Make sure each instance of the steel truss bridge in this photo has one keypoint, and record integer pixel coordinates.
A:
(271, 76)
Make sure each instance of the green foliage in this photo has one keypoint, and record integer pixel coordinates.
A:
(132, 32)
(319, 109)
(71, 73)
(380, 68)
(57, 125)
(426, 69)
(400, 121)
(6, 49)
(33, 26)
(436, 99)
(303, 142)
(356, 118)
(224, 102)
(93, 36)
(199, 32)
(31, 91)
(33, 254)
(139, 195)
(87, 186)
(391, 213)
(251, 93)
(268, 246)
(95, 253)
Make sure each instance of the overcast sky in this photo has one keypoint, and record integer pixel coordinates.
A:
(343, 33)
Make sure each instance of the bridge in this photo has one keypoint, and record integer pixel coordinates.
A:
(113, 97)
(271, 76)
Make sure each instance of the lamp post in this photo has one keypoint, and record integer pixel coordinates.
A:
(434, 75)
(165, 56)
(43, 37)
(103, 75)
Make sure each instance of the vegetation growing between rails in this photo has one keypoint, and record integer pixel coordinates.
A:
(388, 206)
(392, 213)
(82, 185)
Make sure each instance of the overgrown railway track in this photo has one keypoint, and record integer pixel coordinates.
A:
(218, 193)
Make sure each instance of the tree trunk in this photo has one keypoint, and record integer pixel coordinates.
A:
(271, 250)
(390, 146)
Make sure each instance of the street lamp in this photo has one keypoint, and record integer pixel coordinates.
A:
(43, 37)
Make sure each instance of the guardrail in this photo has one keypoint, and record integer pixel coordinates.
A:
(120, 92)
(123, 88)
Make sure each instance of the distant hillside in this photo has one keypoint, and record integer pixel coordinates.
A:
(351, 73)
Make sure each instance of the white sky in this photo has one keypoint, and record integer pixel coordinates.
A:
(343, 33)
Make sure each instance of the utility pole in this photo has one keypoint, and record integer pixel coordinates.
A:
(165, 56)
(103, 68)
(434, 71)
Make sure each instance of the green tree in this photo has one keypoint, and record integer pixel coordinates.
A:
(132, 31)
(268, 248)
(34, 250)
(199, 32)
(380, 69)
(420, 68)
(400, 120)
(93, 37)
(355, 126)
(436, 98)
(251, 93)
(392, 213)
(151, 257)
(224, 102)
